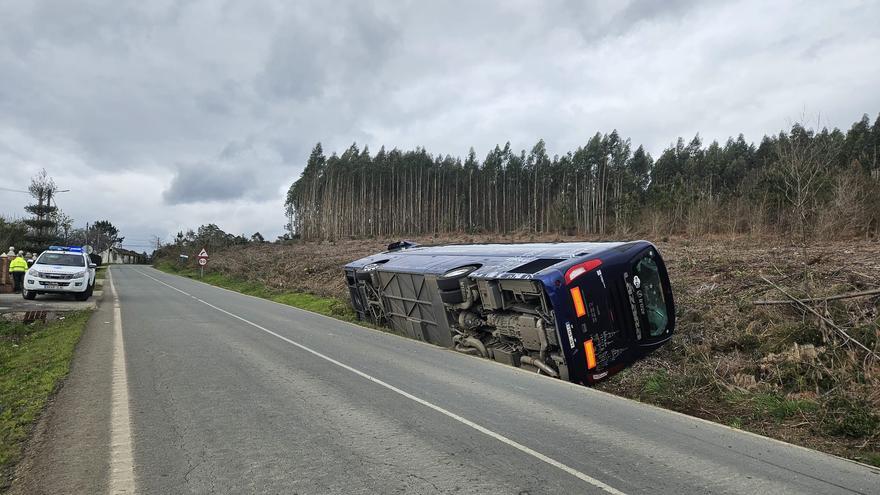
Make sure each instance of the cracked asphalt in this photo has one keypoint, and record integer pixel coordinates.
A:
(226, 398)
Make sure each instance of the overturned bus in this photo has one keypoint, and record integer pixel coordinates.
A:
(577, 311)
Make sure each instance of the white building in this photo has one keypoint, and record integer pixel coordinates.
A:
(119, 255)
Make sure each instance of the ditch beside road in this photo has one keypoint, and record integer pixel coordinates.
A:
(772, 370)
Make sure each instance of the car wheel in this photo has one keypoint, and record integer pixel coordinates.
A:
(84, 296)
(28, 294)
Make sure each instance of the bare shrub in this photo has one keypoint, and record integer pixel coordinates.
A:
(845, 213)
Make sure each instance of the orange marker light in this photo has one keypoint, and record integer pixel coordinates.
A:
(578, 301)
(591, 354)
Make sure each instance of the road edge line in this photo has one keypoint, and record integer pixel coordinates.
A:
(121, 456)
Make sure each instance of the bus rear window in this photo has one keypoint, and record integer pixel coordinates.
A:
(652, 289)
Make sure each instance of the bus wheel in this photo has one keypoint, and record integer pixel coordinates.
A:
(451, 280)
(453, 296)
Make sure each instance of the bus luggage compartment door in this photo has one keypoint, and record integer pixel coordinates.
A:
(413, 307)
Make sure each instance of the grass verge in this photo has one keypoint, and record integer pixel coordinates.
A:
(322, 305)
(34, 359)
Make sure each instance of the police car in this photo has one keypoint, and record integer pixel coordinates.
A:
(61, 270)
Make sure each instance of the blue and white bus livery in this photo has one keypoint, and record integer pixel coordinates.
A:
(577, 311)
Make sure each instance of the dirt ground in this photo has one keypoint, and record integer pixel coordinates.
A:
(772, 369)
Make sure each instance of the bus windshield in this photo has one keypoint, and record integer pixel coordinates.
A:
(652, 290)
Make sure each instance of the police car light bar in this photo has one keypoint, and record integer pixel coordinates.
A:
(66, 248)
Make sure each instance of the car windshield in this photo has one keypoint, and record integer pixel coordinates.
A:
(655, 303)
(61, 259)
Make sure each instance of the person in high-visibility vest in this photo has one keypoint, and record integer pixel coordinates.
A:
(17, 267)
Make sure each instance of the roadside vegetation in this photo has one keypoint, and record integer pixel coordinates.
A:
(34, 358)
(327, 306)
(772, 369)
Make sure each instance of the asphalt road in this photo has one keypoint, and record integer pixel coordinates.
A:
(232, 394)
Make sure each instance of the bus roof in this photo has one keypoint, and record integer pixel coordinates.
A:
(512, 261)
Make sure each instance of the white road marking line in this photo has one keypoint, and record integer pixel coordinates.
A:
(482, 429)
(121, 457)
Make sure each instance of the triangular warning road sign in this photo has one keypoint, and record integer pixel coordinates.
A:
(203, 253)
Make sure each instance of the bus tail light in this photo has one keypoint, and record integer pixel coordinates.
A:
(591, 354)
(580, 269)
(578, 301)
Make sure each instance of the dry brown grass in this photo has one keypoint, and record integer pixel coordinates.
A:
(774, 370)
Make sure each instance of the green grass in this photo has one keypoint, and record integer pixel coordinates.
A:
(656, 384)
(872, 458)
(853, 418)
(671, 390)
(100, 272)
(766, 405)
(781, 408)
(322, 305)
(33, 360)
(735, 422)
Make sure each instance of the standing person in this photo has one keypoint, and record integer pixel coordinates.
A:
(17, 267)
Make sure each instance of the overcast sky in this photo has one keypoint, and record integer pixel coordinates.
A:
(165, 115)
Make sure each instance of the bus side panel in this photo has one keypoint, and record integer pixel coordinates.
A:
(413, 306)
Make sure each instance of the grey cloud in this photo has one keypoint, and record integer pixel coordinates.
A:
(198, 182)
(644, 10)
(323, 48)
(241, 170)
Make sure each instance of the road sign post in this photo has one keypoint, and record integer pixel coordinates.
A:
(203, 260)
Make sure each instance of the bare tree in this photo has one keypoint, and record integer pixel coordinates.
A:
(803, 162)
(63, 225)
(42, 225)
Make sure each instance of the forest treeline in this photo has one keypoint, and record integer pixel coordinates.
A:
(802, 181)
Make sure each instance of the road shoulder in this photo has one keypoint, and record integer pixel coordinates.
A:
(69, 449)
